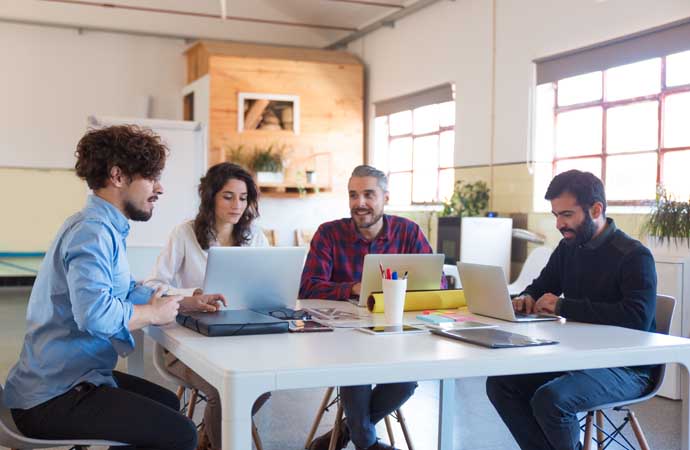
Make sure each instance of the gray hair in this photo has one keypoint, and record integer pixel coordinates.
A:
(369, 171)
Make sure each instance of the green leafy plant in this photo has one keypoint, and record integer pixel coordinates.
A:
(468, 199)
(669, 220)
(260, 159)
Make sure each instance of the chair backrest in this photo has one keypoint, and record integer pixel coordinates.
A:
(272, 236)
(159, 365)
(451, 271)
(535, 261)
(665, 308)
(303, 236)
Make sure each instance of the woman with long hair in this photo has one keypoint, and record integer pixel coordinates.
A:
(228, 208)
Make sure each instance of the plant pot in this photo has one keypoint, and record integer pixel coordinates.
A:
(675, 248)
(269, 177)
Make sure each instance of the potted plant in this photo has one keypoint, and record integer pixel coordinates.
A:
(468, 200)
(668, 226)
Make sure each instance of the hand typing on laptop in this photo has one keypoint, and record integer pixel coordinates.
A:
(524, 304)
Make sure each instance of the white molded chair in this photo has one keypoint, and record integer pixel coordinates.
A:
(12, 438)
(450, 270)
(535, 261)
(665, 306)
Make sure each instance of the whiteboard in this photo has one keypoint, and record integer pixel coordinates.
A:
(185, 165)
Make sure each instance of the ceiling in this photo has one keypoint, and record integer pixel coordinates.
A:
(312, 23)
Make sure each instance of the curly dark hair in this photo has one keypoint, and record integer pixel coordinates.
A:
(586, 187)
(209, 186)
(135, 150)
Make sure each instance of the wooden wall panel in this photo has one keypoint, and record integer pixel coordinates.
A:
(331, 109)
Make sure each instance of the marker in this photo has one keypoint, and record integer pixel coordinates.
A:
(405, 275)
(388, 274)
(381, 269)
(395, 276)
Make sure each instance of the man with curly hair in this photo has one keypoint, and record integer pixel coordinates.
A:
(85, 304)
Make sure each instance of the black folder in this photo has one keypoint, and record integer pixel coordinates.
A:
(232, 323)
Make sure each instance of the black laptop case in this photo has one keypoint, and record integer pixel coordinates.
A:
(232, 323)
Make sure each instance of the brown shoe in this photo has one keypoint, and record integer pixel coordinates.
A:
(322, 442)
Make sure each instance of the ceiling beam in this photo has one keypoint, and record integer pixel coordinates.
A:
(370, 3)
(203, 15)
(386, 21)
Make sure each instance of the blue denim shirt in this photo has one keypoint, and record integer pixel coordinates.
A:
(80, 305)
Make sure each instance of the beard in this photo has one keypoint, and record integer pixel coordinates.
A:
(583, 233)
(136, 214)
(361, 221)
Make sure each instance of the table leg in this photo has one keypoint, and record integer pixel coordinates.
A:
(237, 395)
(446, 413)
(685, 408)
(135, 361)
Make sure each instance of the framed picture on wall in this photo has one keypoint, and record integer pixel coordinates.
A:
(268, 112)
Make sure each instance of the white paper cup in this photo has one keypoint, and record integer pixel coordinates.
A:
(394, 300)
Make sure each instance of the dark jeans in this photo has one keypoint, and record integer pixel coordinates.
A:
(540, 409)
(365, 407)
(137, 412)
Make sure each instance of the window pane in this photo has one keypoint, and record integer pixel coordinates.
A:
(676, 114)
(634, 80)
(592, 165)
(446, 179)
(447, 114)
(425, 175)
(447, 149)
(631, 177)
(400, 123)
(400, 187)
(400, 155)
(632, 127)
(381, 143)
(579, 132)
(678, 69)
(426, 119)
(579, 89)
(675, 175)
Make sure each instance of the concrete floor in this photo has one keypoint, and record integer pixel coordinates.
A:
(286, 419)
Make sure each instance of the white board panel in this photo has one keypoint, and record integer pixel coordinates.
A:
(185, 165)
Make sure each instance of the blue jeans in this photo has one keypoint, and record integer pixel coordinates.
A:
(540, 410)
(365, 407)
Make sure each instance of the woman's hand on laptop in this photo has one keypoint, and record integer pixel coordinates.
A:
(524, 304)
(546, 304)
(203, 303)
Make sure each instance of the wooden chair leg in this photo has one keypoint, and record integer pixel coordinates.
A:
(389, 428)
(256, 438)
(403, 426)
(600, 427)
(180, 392)
(192, 403)
(588, 432)
(319, 416)
(336, 427)
(639, 434)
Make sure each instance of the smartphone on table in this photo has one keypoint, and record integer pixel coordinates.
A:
(307, 326)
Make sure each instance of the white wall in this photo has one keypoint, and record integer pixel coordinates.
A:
(52, 79)
(452, 41)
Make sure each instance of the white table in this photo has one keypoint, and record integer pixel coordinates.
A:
(244, 367)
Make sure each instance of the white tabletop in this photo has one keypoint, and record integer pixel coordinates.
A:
(243, 367)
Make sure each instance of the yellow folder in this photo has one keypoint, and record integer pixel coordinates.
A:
(421, 300)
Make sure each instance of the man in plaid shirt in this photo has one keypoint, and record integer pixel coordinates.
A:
(333, 270)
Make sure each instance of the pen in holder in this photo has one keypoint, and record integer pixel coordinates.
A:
(394, 300)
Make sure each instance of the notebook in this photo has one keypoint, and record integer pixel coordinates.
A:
(232, 323)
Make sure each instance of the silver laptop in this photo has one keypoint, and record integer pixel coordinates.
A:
(255, 278)
(486, 294)
(424, 271)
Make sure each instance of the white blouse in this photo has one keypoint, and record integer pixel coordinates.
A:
(181, 265)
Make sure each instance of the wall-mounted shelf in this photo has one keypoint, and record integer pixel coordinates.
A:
(291, 190)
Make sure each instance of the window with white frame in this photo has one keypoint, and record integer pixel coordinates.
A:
(627, 124)
(415, 147)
